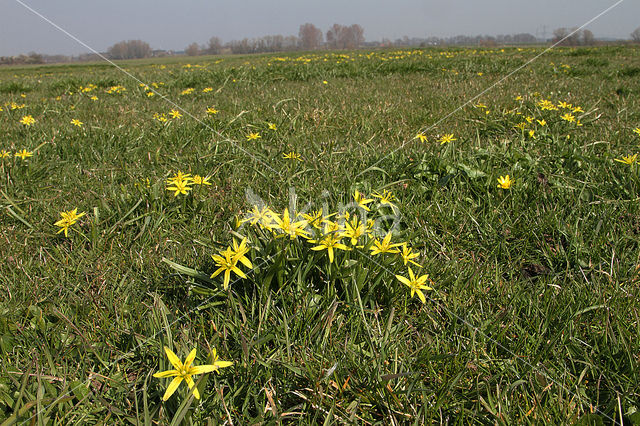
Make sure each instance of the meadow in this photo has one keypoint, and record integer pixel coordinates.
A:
(406, 236)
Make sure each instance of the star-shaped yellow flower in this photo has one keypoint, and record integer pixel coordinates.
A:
(505, 182)
(415, 284)
(185, 371)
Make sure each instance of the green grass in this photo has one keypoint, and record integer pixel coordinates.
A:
(534, 316)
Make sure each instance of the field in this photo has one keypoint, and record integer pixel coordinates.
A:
(510, 173)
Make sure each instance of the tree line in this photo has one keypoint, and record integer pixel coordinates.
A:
(311, 37)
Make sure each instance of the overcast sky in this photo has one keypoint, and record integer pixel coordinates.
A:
(173, 24)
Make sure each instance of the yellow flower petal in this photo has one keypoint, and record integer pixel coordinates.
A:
(172, 387)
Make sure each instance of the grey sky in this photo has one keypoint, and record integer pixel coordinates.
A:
(173, 24)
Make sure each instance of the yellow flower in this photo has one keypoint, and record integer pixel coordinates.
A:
(542, 122)
(24, 154)
(187, 91)
(637, 131)
(577, 110)
(69, 218)
(408, 255)
(262, 216)
(77, 122)
(446, 138)
(272, 126)
(150, 94)
(564, 105)
(416, 284)
(240, 250)
(292, 229)
(212, 111)
(325, 82)
(4, 154)
(226, 261)
(329, 242)
(354, 229)
(253, 136)
(27, 120)
(421, 137)
(185, 371)
(207, 90)
(532, 134)
(292, 156)
(180, 187)
(200, 180)
(361, 200)
(568, 117)
(386, 197)
(94, 98)
(175, 114)
(384, 247)
(505, 182)
(627, 159)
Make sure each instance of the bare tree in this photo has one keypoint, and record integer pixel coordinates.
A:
(335, 35)
(214, 46)
(192, 50)
(131, 49)
(310, 36)
(635, 35)
(588, 38)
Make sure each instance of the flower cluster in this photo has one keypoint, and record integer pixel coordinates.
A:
(347, 230)
(182, 183)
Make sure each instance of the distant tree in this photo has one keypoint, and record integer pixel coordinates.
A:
(214, 47)
(310, 36)
(588, 38)
(354, 36)
(343, 37)
(131, 49)
(192, 50)
(334, 36)
(559, 34)
(635, 35)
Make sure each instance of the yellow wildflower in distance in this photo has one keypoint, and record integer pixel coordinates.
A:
(505, 182)
(416, 284)
(272, 126)
(27, 120)
(4, 154)
(207, 90)
(627, 159)
(185, 371)
(77, 122)
(253, 136)
(69, 218)
(24, 154)
(187, 91)
(637, 131)
(200, 180)
(421, 137)
(568, 117)
(212, 111)
(94, 98)
(175, 114)
(542, 122)
(292, 156)
(446, 138)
